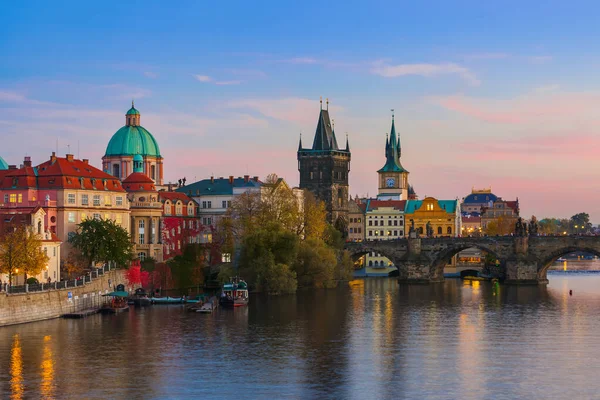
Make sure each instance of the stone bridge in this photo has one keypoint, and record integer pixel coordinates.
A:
(523, 260)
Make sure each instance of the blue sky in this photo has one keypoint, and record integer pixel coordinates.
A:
(502, 94)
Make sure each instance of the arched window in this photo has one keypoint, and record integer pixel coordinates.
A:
(371, 263)
(40, 227)
(190, 209)
(439, 230)
(376, 263)
(178, 208)
(449, 230)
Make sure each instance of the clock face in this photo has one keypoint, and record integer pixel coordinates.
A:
(389, 182)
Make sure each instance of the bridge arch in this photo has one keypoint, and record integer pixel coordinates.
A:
(442, 257)
(546, 261)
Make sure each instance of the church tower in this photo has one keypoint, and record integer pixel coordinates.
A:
(324, 170)
(393, 178)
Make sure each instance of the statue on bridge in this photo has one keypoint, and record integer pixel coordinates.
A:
(411, 231)
(520, 227)
(533, 226)
(428, 229)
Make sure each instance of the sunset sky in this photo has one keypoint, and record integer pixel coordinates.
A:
(499, 94)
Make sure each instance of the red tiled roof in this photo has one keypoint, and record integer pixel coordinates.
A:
(139, 182)
(471, 220)
(397, 204)
(173, 196)
(61, 173)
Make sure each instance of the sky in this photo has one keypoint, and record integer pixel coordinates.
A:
(486, 94)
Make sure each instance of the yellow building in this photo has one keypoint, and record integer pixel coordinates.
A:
(443, 216)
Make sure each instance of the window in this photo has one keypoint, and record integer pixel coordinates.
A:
(71, 217)
(395, 233)
(449, 231)
(389, 233)
(141, 224)
(141, 238)
(370, 223)
(226, 257)
(178, 208)
(370, 263)
(167, 208)
(142, 256)
(153, 172)
(20, 198)
(224, 204)
(106, 217)
(228, 203)
(359, 230)
(204, 204)
(71, 198)
(381, 233)
(395, 222)
(97, 216)
(116, 170)
(190, 210)
(119, 201)
(83, 216)
(209, 204)
(70, 236)
(54, 251)
(351, 230)
(13, 197)
(6, 198)
(430, 207)
(389, 222)
(401, 233)
(119, 219)
(312, 175)
(206, 221)
(370, 233)
(84, 199)
(439, 230)
(96, 200)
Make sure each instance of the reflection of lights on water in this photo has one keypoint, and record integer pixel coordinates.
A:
(16, 369)
(565, 265)
(47, 386)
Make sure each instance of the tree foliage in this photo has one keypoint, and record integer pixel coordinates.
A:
(21, 252)
(186, 268)
(103, 241)
(500, 226)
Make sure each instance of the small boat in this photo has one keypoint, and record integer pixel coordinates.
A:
(140, 298)
(561, 259)
(167, 300)
(117, 304)
(198, 299)
(206, 308)
(475, 278)
(234, 293)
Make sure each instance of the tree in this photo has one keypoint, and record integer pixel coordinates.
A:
(186, 268)
(315, 217)
(580, 222)
(102, 241)
(316, 264)
(21, 252)
(500, 226)
(75, 263)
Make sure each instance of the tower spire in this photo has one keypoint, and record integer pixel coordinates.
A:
(321, 101)
(300, 142)
(347, 143)
(327, 103)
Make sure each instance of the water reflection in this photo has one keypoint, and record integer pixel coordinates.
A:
(47, 386)
(371, 339)
(16, 369)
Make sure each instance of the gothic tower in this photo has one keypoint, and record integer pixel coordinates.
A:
(324, 170)
(393, 178)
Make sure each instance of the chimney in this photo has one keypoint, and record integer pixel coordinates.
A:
(27, 161)
(212, 179)
(170, 187)
(231, 179)
(86, 161)
(53, 157)
(255, 179)
(12, 167)
(246, 178)
(70, 157)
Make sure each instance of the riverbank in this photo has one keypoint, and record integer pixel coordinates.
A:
(38, 306)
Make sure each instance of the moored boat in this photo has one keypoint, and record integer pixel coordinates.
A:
(117, 304)
(140, 298)
(167, 300)
(234, 293)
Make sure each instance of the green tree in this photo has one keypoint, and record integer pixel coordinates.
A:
(315, 217)
(580, 223)
(187, 268)
(315, 265)
(100, 240)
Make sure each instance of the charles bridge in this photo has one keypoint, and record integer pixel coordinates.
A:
(522, 259)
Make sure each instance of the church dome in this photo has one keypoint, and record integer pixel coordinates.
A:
(3, 164)
(132, 139)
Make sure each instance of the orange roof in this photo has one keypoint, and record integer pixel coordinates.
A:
(61, 173)
(173, 196)
(139, 182)
(397, 204)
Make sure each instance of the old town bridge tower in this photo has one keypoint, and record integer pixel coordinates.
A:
(324, 170)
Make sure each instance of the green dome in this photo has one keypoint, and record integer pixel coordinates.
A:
(133, 111)
(132, 140)
(3, 164)
(138, 158)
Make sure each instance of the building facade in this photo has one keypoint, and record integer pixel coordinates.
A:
(501, 211)
(478, 199)
(356, 221)
(384, 221)
(145, 213)
(324, 169)
(68, 190)
(214, 197)
(443, 217)
(392, 177)
(131, 140)
(180, 224)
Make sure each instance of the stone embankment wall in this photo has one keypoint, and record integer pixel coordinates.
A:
(37, 306)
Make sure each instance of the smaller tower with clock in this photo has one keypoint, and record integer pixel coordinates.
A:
(393, 178)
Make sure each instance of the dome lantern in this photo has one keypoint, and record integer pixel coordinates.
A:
(132, 118)
(138, 163)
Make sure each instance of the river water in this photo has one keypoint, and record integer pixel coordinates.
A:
(372, 339)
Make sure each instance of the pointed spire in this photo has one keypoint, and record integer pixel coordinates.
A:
(321, 101)
(132, 105)
(327, 103)
(300, 142)
(347, 143)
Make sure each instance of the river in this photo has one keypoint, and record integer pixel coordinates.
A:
(372, 339)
